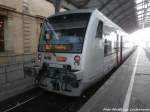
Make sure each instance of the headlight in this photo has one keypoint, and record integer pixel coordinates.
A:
(39, 57)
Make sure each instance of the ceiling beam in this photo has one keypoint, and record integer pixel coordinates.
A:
(116, 8)
(126, 21)
(129, 23)
(129, 29)
(124, 17)
(130, 15)
(124, 11)
(105, 4)
(77, 4)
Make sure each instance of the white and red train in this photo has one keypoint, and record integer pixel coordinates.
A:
(77, 48)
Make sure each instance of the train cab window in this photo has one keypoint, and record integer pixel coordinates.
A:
(64, 33)
(99, 32)
(1, 34)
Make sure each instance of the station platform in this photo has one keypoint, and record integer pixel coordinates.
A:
(13, 80)
(127, 90)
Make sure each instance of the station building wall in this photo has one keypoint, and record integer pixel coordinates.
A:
(21, 28)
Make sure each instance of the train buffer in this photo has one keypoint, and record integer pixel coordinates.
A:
(127, 90)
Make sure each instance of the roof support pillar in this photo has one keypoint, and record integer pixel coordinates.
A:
(57, 4)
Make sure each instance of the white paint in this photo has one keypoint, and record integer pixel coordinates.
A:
(129, 92)
(19, 104)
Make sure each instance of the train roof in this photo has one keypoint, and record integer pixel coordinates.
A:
(102, 16)
(74, 11)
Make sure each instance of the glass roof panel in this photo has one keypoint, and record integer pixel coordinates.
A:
(139, 7)
(140, 12)
(143, 11)
(148, 13)
(138, 1)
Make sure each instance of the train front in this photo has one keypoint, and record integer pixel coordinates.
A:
(60, 53)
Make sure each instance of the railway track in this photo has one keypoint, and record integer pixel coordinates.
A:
(45, 102)
(20, 104)
(38, 100)
(20, 100)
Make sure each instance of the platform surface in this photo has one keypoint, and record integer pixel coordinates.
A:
(14, 81)
(128, 89)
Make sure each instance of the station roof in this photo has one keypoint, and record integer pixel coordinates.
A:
(128, 14)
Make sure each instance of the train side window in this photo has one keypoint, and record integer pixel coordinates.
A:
(107, 47)
(99, 33)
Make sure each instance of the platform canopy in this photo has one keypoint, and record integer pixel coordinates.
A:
(128, 14)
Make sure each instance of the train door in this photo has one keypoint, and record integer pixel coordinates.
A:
(110, 48)
(119, 48)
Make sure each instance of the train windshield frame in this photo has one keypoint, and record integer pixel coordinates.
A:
(64, 33)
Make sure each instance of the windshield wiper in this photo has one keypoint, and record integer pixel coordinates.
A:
(49, 28)
(54, 54)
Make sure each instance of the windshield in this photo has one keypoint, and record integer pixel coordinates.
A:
(64, 33)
